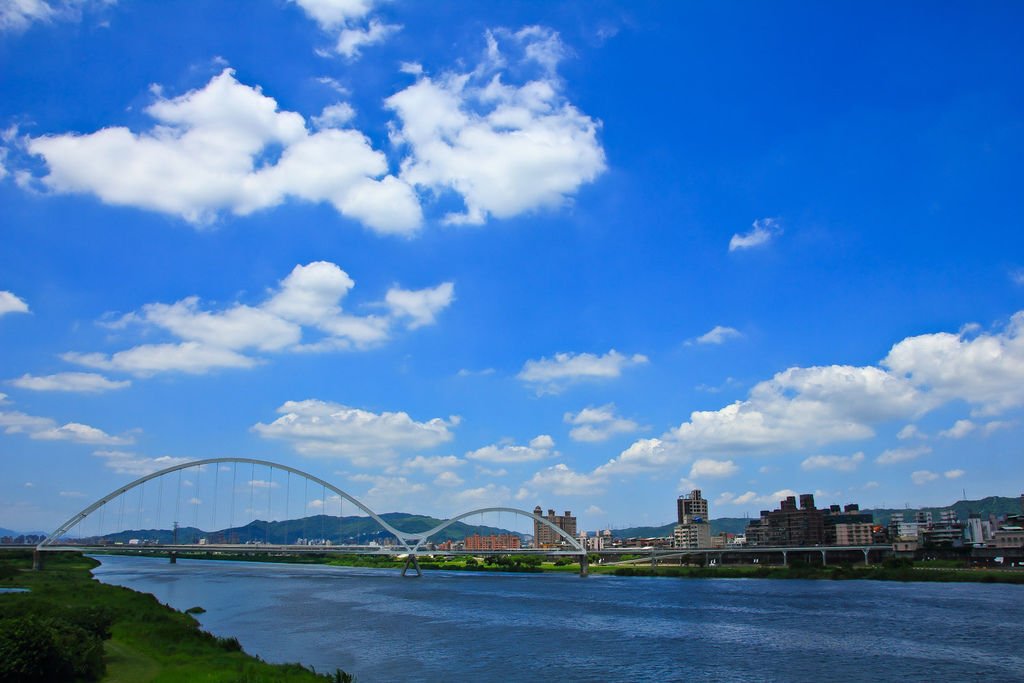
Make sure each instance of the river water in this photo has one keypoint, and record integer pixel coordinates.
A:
(558, 627)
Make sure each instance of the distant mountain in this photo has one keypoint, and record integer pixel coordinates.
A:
(11, 532)
(730, 525)
(351, 530)
(992, 505)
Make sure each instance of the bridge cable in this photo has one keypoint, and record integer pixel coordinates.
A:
(234, 485)
(159, 500)
(142, 492)
(252, 491)
(120, 514)
(196, 498)
(216, 490)
(177, 501)
(305, 510)
(287, 496)
(323, 516)
(270, 492)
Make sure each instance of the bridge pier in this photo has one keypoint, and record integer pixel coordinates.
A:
(415, 565)
(37, 560)
(584, 565)
(174, 557)
(865, 557)
(785, 559)
(824, 563)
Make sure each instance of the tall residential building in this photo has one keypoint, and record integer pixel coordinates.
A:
(492, 542)
(691, 507)
(546, 537)
(693, 529)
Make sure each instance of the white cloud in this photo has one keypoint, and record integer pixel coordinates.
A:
(448, 479)
(47, 429)
(839, 463)
(892, 456)
(18, 15)
(71, 494)
(149, 359)
(10, 303)
(334, 115)
(562, 480)
(1017, 276)
(953, 474)
(551, 375)
(260, 484)
(761, 233)
(706, 468)
(352, 40)
(482, 496)
(594, 424)
(718, 335)
(921, 477)
(435, 464)
(505, 149)
(910, 432)
(79, 433)
(986, 370)
(996, 425)
(420, 306)
(959, 430)
(123, 462)
(331, 14)
(365, 438)
(204, 157)
(84, 382)
(306, 303)
(643, 455)
(751, 497)
(540, 448)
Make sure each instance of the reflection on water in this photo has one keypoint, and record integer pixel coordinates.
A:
(544, 627)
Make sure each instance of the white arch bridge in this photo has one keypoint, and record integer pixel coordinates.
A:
(408, 545)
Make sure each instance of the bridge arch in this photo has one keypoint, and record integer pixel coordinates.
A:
(440, 527)
(403, 537)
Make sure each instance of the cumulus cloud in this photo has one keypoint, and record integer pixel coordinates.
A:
(448, 479)
(839, 463)
(953, 474)
(751, 497)
(550, 375)
(123, 462)
(643, 455)
(719, 334)
(207, 155)
(350, 22)
(504, 149)
(921, 477)
(892, 456)
(10, 303)
(564, 481)
(959, 430)
(421, 306)
(762, 232)
(706, 468)
(306, 303)
(81, 382)
(986, 370)
(435, 464)
(364, 438)
(540, 448)
(594, 424)
(47, 429)
(910, 432)
(481, 496)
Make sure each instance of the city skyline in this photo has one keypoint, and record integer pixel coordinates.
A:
(459, 255)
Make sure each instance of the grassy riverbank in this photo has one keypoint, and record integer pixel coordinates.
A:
(133, 638)
(898, 570)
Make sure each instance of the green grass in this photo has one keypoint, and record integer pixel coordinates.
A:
(149, 641)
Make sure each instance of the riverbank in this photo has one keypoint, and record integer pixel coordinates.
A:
(891, 570)
(69, 626)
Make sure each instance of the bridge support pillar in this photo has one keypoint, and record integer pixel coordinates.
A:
(37, 560)
(174, 557)
(411, 560)
(584, 565)
(785, 559)
(865, 557)
(824, 563)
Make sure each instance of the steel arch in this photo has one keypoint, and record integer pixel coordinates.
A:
(561, 532)
(403, 537)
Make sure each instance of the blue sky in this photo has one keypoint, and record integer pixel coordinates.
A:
(450, 255)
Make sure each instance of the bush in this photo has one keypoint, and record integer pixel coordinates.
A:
(35, 649)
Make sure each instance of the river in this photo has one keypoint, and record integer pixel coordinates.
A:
(559, 627)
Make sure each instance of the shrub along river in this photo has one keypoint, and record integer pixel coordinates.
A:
(546, 627)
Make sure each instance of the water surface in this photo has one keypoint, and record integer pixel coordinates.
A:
(558, 627)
